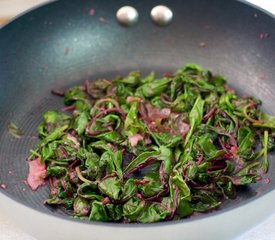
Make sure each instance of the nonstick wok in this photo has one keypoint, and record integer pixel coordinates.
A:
(66, 42)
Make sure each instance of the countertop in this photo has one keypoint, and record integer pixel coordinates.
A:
(9, 9)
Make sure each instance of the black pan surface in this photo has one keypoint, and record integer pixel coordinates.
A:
(61, 44)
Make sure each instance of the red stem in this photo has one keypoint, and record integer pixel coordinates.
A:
(209, 114)
(102, 113)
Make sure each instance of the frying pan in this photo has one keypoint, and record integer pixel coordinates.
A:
(62, 44)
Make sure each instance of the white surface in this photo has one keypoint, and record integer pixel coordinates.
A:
(264, 231)
(9, 232)
(225, 226)
(9, 8)
(268, 5)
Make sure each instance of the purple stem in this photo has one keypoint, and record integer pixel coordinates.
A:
(68, 108)
(65, 154)
(74, 164)
(223, 145)
(140, 166)
(162, 176)
(102, 113)
(156, 196)
(165, 99)
(175, 203)
(233, 141)
(58, 92)
(209, 114)
(216, 167)
(69, 194)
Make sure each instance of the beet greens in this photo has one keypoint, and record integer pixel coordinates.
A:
(146, 149)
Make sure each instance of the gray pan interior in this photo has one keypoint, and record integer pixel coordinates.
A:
(60, 44)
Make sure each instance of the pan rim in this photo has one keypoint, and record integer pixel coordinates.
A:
(159, 224)
(18, 16)
(209, 223)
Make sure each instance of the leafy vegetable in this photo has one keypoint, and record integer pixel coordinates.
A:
(195, 117)
(14, 130)
(152, 149)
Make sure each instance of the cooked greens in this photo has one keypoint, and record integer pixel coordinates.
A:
(148, 149)
(14, 131)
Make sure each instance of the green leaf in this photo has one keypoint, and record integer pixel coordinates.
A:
(123, 92)
(195, 117)
(57, 133)
(111, 187)
(140, 159)
(208, 147)
(166, 156)
(133, 208)
(205, 200)
(91, 160)
(226, 99)
(114, 212)
(149, 78)
(14, 130)
(245, 139)
(56, 171)
(154, 186)
(81, 207)
(112, 136)
(244, 171)
(82, 105)
(204, 207)
(118, 163)
(205, 86)
(98, 212)
(129, 189)
(165, 139)
(55, 118)
(132, 79)
(73, 94)
(265, 150)
(51, 117)
(100, 145)
(48, 151)
(266, 121)
(81, 122)
(187, 154)
(192, 69)
(184, 209)
(132, 115)
(88, 191)
(219, 82)
(113, 161)
(183, 187)
(154, 87)
(244, 180)
(192, 170)
(132, 124)
(156, 101)
(67, 202)
(93, 165)
(153, 213)
(179, 104)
